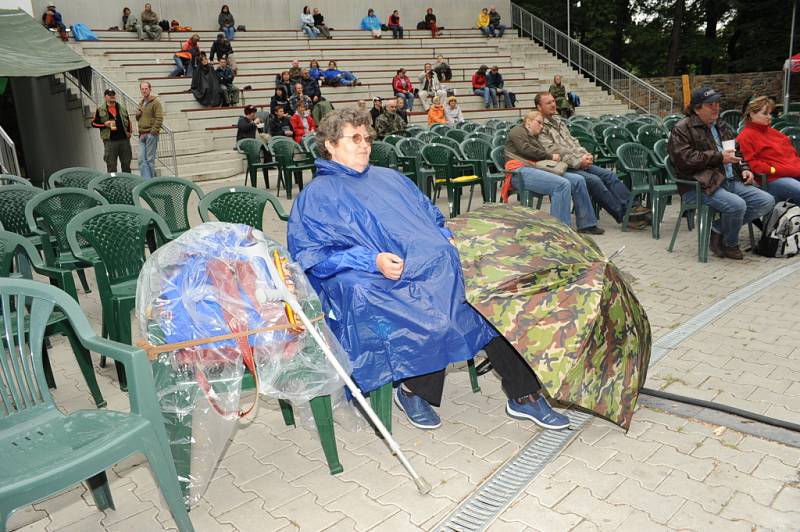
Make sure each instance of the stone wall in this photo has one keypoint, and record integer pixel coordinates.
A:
(734, 87)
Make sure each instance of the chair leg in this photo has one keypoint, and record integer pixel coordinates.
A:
(164, 474)
(655, 221)
(471, 192)
(323, 418)
(48, 369)
(752, 237)
(265, 171)
(381, 402)
(288, 412)
(84, 282)
(473, 376)
(675, 231)
(84, 359)
(101, 492)
(703, 233)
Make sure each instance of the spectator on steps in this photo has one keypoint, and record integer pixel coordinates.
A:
(295, 72)
(319, 23)
(453, 111)
(226, 23)
(321, 108)
(335, 77)
(390, 123)
(302, 122)
(279, 99)
(129, 22)
(430, 23)
(112, 120)
(225, 75)
(377, 109)
(250, 127)
(149, 116)
(205, 84)
(401, 111)
(52, 20)
(697, 149)
(185, 59)
(220, 48)
(307, 23)
(481, 88)
(401, 85)
(770, 152)
(394, 24)
(148, 24)
(299, 97)
(314, 70)
(429, 87)
(283, 80)
(436, 112)
(442, 69)
(311, 87)
(494, 80)
(497, 29)
(372, 24)
(281, 126)
(483, 23)
(559, 92)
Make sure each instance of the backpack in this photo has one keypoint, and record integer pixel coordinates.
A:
(164, 25)
(781, 235)
(81, 32)
(574, 99)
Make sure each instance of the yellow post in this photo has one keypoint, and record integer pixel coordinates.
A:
(687, 93)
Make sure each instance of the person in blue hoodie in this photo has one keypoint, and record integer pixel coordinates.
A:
(385, 266)
(334, 77)
(372, 24)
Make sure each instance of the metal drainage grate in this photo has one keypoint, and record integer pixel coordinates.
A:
(482, 507)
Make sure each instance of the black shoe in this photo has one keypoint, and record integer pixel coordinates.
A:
(593, 230)
(715, 243)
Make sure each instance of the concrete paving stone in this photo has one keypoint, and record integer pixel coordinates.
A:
(291, 463)
(793, 389)
(555, 465)
(605, 515)
(67, 507)
(456, 488)
(696, 468)
(477, 443)
(744, 461)
(685, 442)
(25, 516)
(784, 453)
(420, 507)
(474, 467)
(271, 488)
(639, 521)
(658, 506)
(516, 432)
(431, 472)
(323, 485)
(244, 467)
(499, 525)
(741, 391)
(142, 521)
(223, 495)
(370, 476)
(772, 468)
(779, 412)
(788, 500)
(594, 457)
(261, 440)
(649, 476)
(503, 453)
(203, 521)
(483, 424)
(758, 344)
(711, 498)
(595, 430)
(528, 512)
(750, 367)
(585, 526)
(598, 483)
(36, 526)
(748, 405)
(369, 514)
(790, 402)
(725, 372)
(349, 459)
(89, 522)
(762, 490)
(691, 516)
(689, 391)
(744, 507)
(549, 491)
(661, 418)
(398, 522)
(306, 514)
(716, 361)
(639, 450)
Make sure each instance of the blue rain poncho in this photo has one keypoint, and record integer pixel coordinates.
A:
(392, 330)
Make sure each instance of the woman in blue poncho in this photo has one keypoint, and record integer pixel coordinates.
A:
(389, 278)
(372, 24)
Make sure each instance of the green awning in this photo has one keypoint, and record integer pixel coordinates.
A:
(28, 49)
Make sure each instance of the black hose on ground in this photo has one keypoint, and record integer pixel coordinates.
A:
(794, 427)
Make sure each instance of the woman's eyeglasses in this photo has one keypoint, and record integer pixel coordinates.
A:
(358, 138)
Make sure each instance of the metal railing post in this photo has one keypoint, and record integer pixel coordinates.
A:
(9, 164)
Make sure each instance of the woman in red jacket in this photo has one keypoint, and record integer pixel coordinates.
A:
(301, 121)
(768, 151)
(402, 87)
(480, 88)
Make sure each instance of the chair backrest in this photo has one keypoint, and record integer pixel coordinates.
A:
(239, 205)
(650, 119)
(476, 149)
(284, 151)
(52, 210)
(796, 142)
(588, 143)
(9, 179)
(634, 126)
(650, 134)
(599, 128)
(670, 121)
(660, 149)
(442, 158)
(427, 136)
(117, 234)
(383, 154)
(169, 197)
(619, 132)
(441, 129)
(10, 245)
(578, 127)
(444, 141)
(393, 139)
(635, 160)
(117, 189)
(309, 141)
(732, 117)
(412, 130)
(469, 127)
(457, 135)
(77, 177)
(483, 136)
(499, 140)
(251, 148)
(410, 147)
(498, 157)
(615, 139)
(13, 199)
(790, 130)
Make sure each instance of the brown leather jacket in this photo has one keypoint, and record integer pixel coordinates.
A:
(694, 152)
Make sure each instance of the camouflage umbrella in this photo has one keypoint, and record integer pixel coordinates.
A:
(560, 302)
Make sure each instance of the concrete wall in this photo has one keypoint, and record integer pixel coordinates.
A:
(25, 5)
(52, 136)
(275, 14)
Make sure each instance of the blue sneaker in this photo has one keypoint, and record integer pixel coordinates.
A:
(418, 411)
(538, 411)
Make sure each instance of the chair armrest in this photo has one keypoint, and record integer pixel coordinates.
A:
(761, 179)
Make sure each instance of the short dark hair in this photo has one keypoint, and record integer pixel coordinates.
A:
(249, 109)
(538, 98)
(330, 129)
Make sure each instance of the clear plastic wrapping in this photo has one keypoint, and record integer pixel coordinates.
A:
(214, 281)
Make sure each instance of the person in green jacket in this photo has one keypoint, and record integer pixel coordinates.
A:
(112, 120)
(559, 92)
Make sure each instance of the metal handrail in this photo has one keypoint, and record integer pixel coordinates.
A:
(9, 164)
(636, 92)
(93, 88)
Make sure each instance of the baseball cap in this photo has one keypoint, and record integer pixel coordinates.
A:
(109, 92)
(376, 99)
(705, 95)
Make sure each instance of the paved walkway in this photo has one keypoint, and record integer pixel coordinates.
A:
(667, 472)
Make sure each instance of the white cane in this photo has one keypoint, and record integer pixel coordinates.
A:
(422, 485)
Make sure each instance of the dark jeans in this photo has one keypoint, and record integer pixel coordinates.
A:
(607, 190)
(117, 149)
(397, 32)
(516, 376)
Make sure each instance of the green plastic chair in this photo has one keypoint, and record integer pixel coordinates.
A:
(790, 130)
(599, 128)
(660, 149)
(613, 138)
(412, 130)
(11, 246)
(393, 139)
(450, 143)
(112, 238)
(253, 150)
(477, 152)
(445, 162)
(499, 141)
(638, 164)
(240, 205)
(469, 127)
(458, 135)
(409, 154)
(670, 122)
(169, 197)
(76, 177)
(47, 215)
(13, 199)
(46, 451)
(10, 179)
(526, 197)
(291, 161)
(650, 134)
(480, 135)
(732, 117)
(117, 189)
(427, 136)
(694, 210)
(441, 129)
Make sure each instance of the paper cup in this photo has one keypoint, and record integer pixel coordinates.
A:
(728, 145)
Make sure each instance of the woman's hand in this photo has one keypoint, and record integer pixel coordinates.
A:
(390, 265)
(556, 157)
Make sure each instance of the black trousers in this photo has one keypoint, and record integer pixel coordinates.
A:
(516, 376)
